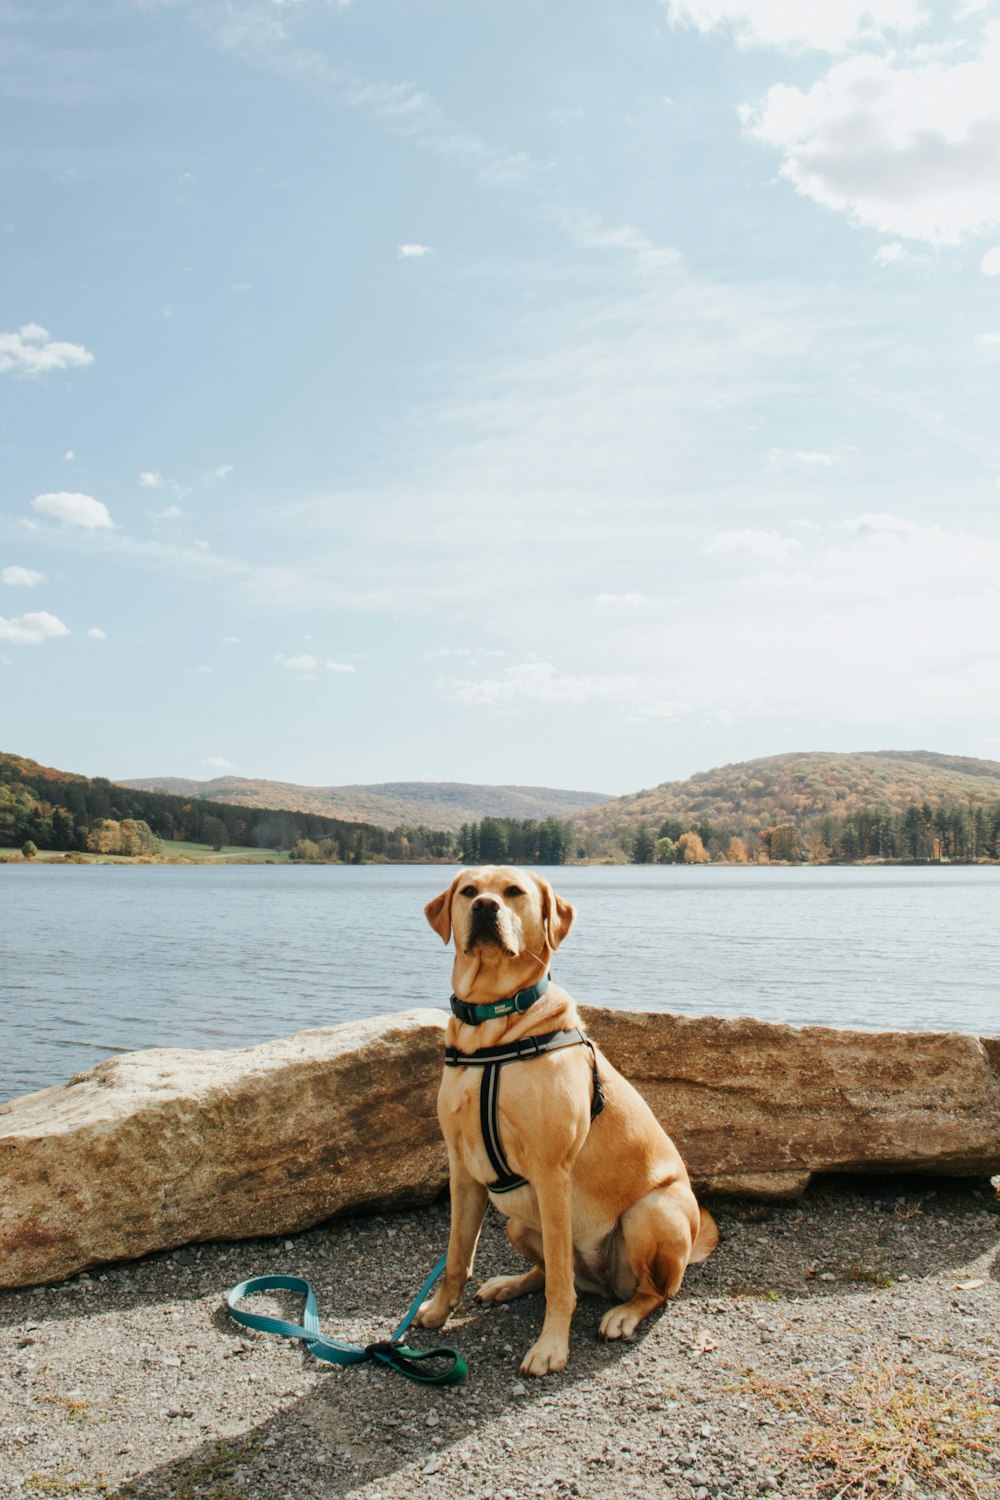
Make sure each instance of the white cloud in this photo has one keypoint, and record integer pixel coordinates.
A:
(413, 252)
(230, 640)
(30, 351)
(151, 479)
(798, 25)
(443, 651)
(812, 458)
(881, 613)
(589, 232)
(990, 263)
(21, 577)
(31, 629)
(68, 455)
(539, 682)
(202, 671)
(891, 254)
(629, 602)
(765, 544)
(219, 763)
(534, 682)
(223, 470)
(172, 513)
(74, 509)
(97, 634)
(305, 664)
(987, 345)
(912, 151)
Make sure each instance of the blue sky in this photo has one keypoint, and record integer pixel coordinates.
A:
(572, 394)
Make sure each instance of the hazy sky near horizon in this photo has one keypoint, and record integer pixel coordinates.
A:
(579, 394)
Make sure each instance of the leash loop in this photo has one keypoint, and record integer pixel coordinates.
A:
(392, 1351)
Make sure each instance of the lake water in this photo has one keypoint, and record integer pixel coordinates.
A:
(106, 958)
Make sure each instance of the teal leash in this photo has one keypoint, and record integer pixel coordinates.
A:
(392, 1351)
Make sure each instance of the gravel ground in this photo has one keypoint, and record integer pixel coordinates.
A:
(847, 1344)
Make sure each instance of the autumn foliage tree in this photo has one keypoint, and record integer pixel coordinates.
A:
(691, 849)
(782, 843)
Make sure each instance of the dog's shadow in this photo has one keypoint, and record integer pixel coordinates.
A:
(360, 1424)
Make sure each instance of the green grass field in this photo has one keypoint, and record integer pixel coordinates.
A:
(179, 850)
(184, 850)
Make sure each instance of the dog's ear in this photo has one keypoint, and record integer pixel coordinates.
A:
(438, 912)
(557, 914)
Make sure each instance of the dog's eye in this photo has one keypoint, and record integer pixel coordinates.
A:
(513, 890)
(468, 890)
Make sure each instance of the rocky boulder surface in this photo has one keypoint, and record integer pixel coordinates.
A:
(758, 1108)
(157, 1149)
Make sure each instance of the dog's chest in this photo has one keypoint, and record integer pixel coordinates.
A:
(459, 1114)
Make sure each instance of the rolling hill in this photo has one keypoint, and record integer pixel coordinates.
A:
(799, 788)
(387, 804)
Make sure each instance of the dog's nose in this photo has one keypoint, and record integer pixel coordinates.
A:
(486, 903)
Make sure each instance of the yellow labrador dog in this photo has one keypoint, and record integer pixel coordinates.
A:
(537, 1121)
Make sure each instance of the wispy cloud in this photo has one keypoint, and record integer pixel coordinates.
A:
(217, 762)
(151, 479)
(30, 351)
(634, 603)
(309, 666)
(97, 634)
(750, 543)
(413, 252)
(800, 25)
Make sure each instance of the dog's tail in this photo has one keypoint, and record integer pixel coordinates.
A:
(705, 1240)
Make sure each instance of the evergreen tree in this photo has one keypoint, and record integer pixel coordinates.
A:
(643, 846)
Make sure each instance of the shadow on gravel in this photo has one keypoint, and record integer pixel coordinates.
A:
(850, 1234)
(361, 1424)
(845, 1237)
(845, 1231)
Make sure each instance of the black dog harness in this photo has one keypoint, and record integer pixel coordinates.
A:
(492, 1059)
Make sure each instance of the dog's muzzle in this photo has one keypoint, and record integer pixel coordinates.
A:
(484, 930)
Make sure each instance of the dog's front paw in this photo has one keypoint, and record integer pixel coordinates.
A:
(620, 1323)
(545, 1357)
(433, 1313)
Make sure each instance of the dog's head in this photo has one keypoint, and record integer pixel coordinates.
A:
(506, 924)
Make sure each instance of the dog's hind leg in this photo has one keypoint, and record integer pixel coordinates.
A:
(658, 1234)
(506, 1288)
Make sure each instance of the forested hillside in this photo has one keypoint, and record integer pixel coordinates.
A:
(888, 804)
(436, 804)
(61, 810)
(899, 805)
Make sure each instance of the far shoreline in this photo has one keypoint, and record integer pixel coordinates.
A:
(59, 858)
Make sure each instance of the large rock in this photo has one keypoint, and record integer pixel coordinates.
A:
(758, 1108)
(156, 1149)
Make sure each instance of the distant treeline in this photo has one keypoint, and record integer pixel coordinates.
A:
(513, 841)
(73, 814)
(918, 834)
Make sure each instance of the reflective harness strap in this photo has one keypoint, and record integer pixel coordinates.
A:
(491, 1060)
